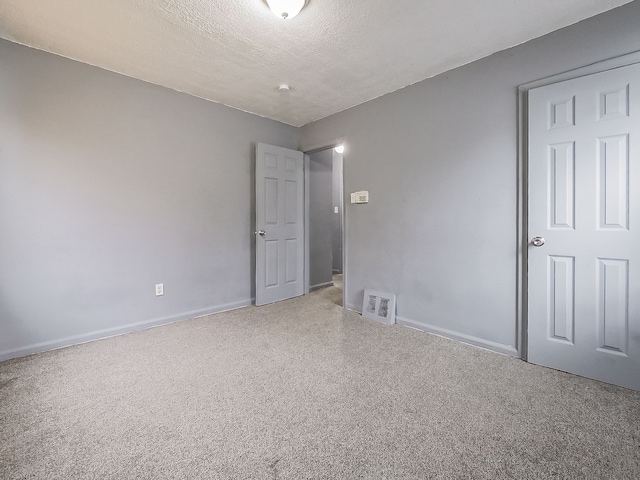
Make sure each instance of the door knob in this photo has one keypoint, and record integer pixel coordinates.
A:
(537, 241)
(262, 233)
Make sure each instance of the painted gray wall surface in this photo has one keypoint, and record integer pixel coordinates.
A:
(336, 219)
(439, 159)
(320, 218)
(109, 185)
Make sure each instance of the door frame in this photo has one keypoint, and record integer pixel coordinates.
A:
(522, 292)
(308, 150)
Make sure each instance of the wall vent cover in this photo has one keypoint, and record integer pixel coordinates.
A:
(379, 306)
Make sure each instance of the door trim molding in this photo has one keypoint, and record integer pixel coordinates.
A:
(522, 299)
(307, 204)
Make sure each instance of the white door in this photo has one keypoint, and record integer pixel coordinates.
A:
(584, 204)
(279, 223)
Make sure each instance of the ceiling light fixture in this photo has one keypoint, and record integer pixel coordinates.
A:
(339, 149)
(286, 8)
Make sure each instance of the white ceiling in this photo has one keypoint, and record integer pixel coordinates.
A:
(335, 54)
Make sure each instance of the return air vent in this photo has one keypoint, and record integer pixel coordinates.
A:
(379, 306)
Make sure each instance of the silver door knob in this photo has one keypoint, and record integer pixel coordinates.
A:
(537, 241)
(262, 233)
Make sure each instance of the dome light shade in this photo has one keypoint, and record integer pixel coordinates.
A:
(286, 8)
(339, 149)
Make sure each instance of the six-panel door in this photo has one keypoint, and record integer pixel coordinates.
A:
(584, 200)
(279, 224)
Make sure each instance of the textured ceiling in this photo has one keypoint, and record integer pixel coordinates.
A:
(335, 54)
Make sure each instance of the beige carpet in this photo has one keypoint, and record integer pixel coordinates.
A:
(303, 389)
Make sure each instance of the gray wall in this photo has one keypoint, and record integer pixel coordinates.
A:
(439, 159)
(320, 218)
(109, 185)
(336, 219)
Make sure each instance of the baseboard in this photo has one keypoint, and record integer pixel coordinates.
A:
(461, 337)
(354, 308)
(120, 330)
(320, 285)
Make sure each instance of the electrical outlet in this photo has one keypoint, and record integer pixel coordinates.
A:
(159, 289)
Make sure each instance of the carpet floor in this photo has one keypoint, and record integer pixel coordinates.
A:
(304, 389)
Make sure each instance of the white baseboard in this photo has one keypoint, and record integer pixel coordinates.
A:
(354, 308)
(132, 327)
(450, 334)
(320, 285)
(461, 337)
(119, 330)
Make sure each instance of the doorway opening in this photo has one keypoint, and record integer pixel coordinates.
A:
(326, 223)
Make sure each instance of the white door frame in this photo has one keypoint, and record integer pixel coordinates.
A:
(307, 151)
(522, 300)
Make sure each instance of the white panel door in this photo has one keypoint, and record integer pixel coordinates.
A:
(584, 202)
(279, 224)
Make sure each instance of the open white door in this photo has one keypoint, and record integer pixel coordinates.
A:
(584, 226)
(279, 223)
